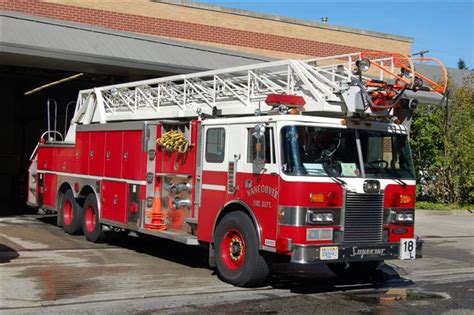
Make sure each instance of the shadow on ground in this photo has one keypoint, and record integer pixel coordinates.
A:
(302, 279)
(7, 254)
(317, 278)
(191, 256)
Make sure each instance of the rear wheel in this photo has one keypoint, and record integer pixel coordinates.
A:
(238, 259)
(71, 214)
(90, 223)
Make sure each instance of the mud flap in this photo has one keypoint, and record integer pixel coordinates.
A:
(212, 258)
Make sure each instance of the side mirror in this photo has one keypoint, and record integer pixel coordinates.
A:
(258, 145)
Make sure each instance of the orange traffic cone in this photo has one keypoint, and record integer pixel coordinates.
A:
(155, 219)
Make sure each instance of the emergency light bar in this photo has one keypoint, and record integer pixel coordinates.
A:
(284, 99)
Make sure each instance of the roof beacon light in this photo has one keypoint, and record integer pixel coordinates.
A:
(275, 100)
(283, 109)
(407, 73)
(418, 83)
(363, 65)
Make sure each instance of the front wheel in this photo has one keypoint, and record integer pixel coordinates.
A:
(90, 223)
(238, 259)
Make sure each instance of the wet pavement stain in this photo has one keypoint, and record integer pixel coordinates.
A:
(62, 282)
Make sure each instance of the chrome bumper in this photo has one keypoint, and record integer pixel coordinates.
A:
(307, 254)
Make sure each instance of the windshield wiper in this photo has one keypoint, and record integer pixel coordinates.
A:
(342, 183)
(401, 182)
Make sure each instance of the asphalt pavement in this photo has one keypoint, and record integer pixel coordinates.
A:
(42, 269)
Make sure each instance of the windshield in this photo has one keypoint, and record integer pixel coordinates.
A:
(386, 155)
(320, 151)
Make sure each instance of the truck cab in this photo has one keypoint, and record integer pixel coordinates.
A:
(317, 189)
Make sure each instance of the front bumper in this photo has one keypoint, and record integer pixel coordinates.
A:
(307, 254)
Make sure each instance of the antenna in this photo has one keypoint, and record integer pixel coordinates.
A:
(421, 53)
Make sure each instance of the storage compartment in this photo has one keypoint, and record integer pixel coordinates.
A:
(82, 152)
(134, 155)
(114, 199)
(172, 161)
(113, 154)
(49, 190)
(64, 157)
(45, 158)
(96, 153)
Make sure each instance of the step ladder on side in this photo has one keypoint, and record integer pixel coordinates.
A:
(327, 84)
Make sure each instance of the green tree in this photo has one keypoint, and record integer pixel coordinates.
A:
(443, 148)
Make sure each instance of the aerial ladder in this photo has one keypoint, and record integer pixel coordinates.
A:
(365, 84)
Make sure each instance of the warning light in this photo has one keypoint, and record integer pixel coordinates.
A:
(284, 99)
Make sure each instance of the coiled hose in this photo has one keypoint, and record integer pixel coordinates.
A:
(174, 140)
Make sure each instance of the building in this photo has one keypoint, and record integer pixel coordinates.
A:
(123, 40)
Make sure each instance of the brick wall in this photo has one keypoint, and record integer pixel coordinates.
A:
(266, 43)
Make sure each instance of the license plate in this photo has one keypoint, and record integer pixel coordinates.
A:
(407, 248)
(329, 253)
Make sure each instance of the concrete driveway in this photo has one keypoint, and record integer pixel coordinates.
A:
(44, 269)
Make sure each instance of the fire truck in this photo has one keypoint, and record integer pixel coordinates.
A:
(305, 161)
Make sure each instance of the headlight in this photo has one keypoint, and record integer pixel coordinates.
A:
(403, 217)
(363, 65)
(328, 217)
(313, 217)
(304, 216)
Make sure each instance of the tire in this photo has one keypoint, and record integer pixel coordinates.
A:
(90, 224)
(59, 217)
(71, 214)
(236, 252)
(361, 271)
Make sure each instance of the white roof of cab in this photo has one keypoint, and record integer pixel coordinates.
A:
(329, 122)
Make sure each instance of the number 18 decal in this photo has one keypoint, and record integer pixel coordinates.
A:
(407, 248)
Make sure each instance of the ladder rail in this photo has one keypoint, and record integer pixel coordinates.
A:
(320, 80)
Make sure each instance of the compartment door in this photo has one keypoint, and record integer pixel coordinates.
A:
(96, 153)
(134, 156)
(82, 152)
(49, 190)
(114, 201)
(113, 154)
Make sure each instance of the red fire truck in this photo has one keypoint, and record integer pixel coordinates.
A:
(307, 161)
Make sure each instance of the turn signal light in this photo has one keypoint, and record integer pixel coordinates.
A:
(316, 197)
(400, 199)
(405, 199)
(330, 198)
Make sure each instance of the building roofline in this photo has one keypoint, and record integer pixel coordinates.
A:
(283, 19)
(131, 35)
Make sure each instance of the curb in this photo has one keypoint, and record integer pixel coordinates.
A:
(446, 212)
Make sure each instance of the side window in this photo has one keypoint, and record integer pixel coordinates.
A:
(269, 146)
(215, 145)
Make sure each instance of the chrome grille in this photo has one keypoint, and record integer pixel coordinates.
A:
(363, 218)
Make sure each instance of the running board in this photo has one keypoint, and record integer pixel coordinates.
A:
(174, 236)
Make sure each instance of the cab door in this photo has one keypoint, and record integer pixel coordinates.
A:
(258, 175)
(215, 159)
